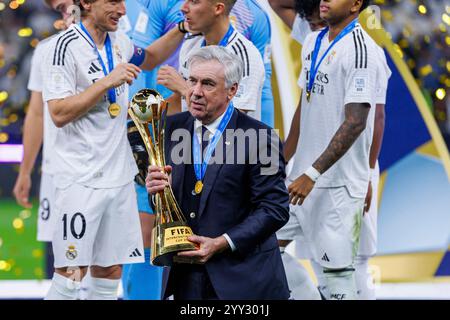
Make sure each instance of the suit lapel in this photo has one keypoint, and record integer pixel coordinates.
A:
(213, 170)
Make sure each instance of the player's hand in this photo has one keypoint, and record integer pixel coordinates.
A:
(123, 72)
(368, 200)
(21, 190)
(157, 179)
(171, 79)
(300, 189)
(207, 247)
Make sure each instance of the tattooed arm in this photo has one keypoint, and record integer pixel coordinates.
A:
(353, 125)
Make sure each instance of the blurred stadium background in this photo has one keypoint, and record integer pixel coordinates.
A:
(414, 218)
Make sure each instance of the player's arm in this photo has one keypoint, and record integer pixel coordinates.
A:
(354, 124)
(32, 141)
(285, 9)
(174, 104)
(66, 110)
(375, 148)
(160, 50)
(290, 145)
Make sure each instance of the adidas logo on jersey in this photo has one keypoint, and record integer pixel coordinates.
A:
(325, 258)
(93, 68)
(136, 253)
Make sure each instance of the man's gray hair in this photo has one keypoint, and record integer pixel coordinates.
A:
(232, 65)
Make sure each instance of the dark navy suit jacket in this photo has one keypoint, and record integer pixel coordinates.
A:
(249, 207)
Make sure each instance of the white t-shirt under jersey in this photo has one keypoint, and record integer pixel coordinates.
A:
(348, 74)
(249, 93)
(35, 83)
(92, 150)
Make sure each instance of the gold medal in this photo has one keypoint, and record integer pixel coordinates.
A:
(114, 110)
(308, 96)
(198, 187)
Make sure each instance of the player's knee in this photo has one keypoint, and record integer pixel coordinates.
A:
(111, 272)
(73, 273)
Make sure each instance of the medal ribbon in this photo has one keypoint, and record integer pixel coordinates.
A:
(314, 67)
(109, 55)
(199, 166)
(225, 38)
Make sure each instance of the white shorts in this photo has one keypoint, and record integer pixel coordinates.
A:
(97, 227)
(46, 213)
(368, 241)
(329, 226)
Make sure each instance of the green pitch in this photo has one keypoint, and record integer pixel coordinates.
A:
(21, 255)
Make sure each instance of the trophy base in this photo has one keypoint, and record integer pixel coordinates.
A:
(167, 240)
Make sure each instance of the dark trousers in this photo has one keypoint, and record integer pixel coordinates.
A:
(191, 282)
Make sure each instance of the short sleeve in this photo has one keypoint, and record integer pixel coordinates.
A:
(59, 76)
(300, 29)
(35, 79)
(384, 73)
(249, 92)
(360, 71)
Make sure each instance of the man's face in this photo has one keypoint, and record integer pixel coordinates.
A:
(334, 11)
(106, 13)
(199, 14)
(207, 96)
(315, 21)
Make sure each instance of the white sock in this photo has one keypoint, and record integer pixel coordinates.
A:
(321, 280)
(85, 286)
(364, 281)
(341, 283)
(299, 281)
(62, 288)
(103, 289)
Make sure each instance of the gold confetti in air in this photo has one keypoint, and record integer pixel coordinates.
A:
(4, 137)
(25, 214)
(422, 9)
(440, 94)
(18, 223)
(25, 32)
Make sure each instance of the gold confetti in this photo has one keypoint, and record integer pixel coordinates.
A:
(440, 93)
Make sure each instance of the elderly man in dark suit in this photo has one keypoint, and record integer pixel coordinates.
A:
(234, 199)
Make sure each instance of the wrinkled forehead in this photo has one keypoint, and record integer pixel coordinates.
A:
(203, 69)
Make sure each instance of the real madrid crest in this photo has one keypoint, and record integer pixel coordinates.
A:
(117, 51)
(330, 58)
(71, 253)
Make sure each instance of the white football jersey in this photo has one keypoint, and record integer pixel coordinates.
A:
(35, 83)
(348, 74)
(92, 150)
(249, 93)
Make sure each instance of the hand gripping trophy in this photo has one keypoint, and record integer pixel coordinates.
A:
(148, 110)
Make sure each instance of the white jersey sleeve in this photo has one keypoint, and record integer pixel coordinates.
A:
(360, 73)
(248, 97)
(60, 74)
(35, 80)
(300, 29)
(383, 77)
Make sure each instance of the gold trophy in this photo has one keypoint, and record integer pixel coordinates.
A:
(148, 110)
